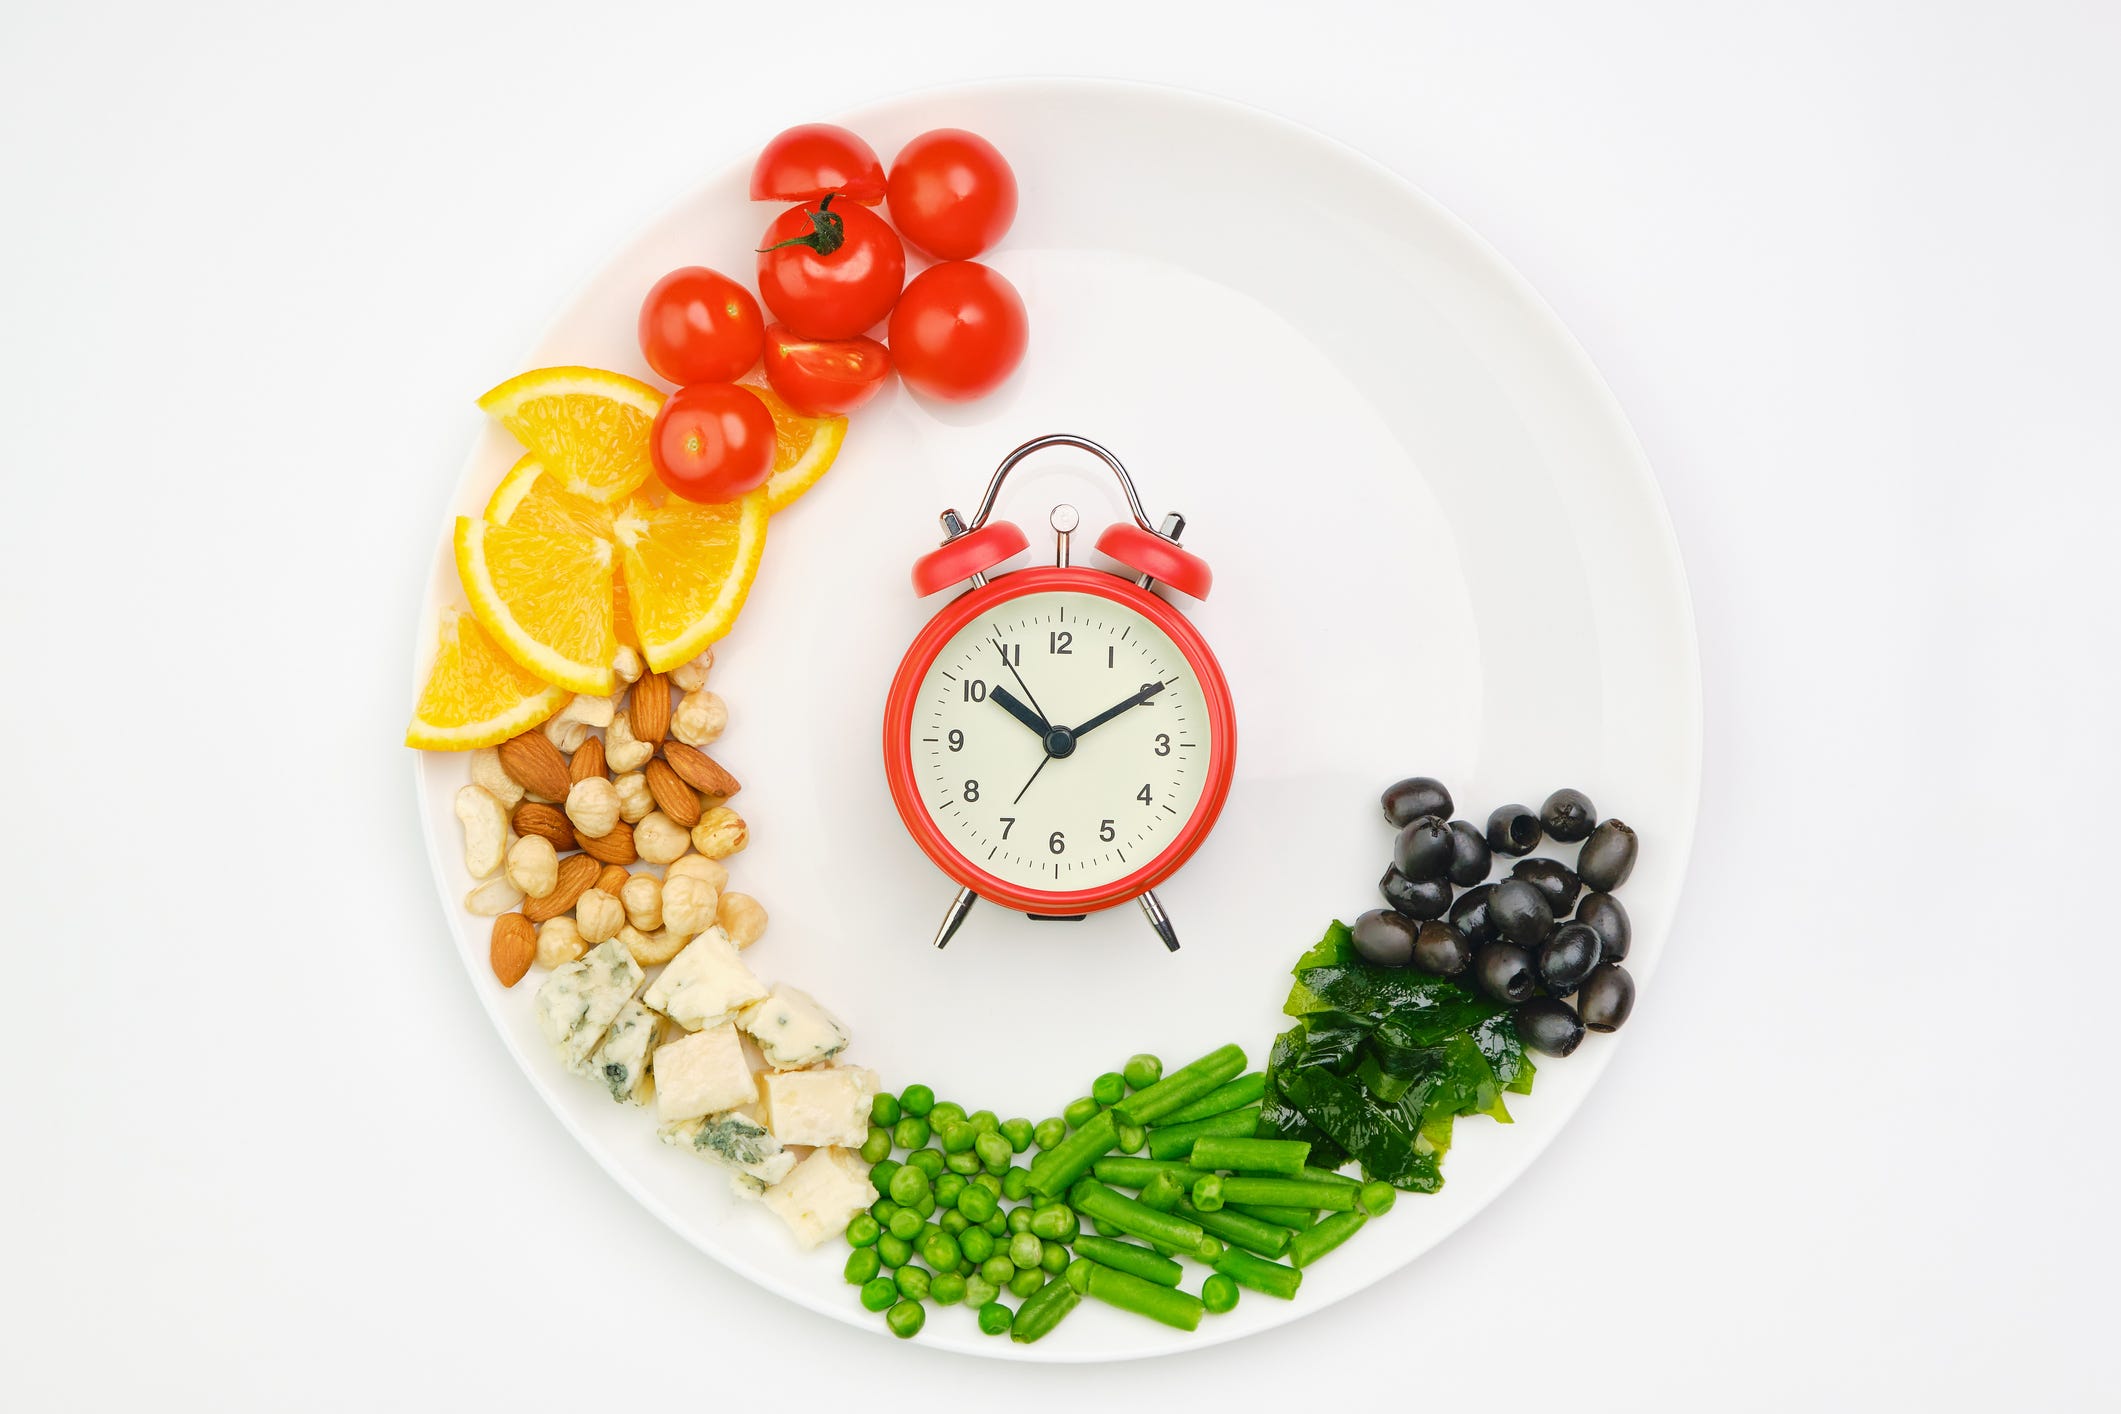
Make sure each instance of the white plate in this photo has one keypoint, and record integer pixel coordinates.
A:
(1437, 549)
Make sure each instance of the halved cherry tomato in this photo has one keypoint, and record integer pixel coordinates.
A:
(830, 271)
(806, 162)
(951, 194)
(712, 442)
(958, 331)
(700, 326)
(820, 377)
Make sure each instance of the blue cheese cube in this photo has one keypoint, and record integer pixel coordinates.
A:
(739, 1144)
(704, 1073)
(706, 984)
(622, 1061)
(792, 1029)
(824, 1192)
(820, 1106)
(580, 1000)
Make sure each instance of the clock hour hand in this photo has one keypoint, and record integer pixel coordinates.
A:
(1019, 711)
(1148, 691)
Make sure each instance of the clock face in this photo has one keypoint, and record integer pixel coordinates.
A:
(1107, 789)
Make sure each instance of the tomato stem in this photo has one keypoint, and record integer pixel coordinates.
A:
(828, 230)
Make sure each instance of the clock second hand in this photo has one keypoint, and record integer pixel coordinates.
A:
(1034, 776)
(1045, 722)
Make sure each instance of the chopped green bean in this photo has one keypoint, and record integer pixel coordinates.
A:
(1291, 1193)
(1319, 1175)
(1048, 1133)
(906, 1319)
(1261, 1275)
(1122, 1214)
(1283, 1158)
(1377, 1198)
(1019, 1134)
(1145, 1298)
(1080, 1112)
(1162, 1192)
(1056, 1170)
(878, 1293)
(1176, 1141)
(1208, 1192)
(1043, 1311)
(1247, 1089)
(1026, 1282)
(1295, 1219)
(1182, 1086)
(1312, 1243)
(1126, 1257)
(862, 1266)
(994, 1318)
(916, 1100)
(1141, 1071)
(1129, 1172)
(1219, 1294)
(1245, 1231)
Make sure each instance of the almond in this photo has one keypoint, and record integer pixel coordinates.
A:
(613, 879)
(547, 822)
(672, 796)
(514, 944)
(578, 873)
(697, 769)
(648, 708)
(588, 760)
(535, 764)
(614, 848)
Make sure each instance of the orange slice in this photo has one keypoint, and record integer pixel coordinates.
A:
(588, 427)
(545, 596)
(530, 497)
(476, 695)
(804, 448)
(688, 567)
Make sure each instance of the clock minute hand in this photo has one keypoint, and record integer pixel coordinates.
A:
(1110, 712)
(1018, 710)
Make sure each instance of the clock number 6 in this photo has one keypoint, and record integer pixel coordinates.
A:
(1057, 843)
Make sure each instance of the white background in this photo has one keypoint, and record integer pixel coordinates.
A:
(1849, 267)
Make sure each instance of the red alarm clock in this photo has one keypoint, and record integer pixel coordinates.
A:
(1059, 740)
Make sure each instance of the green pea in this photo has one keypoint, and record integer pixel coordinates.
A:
(862, 1266)
(953, 1222)
(939, 1250)
(883, 1110)
(1142, 1071)
(998, 1269)
(912, 1283)
(876, 1146)
(1057, 1223)
(893, 1251)
(1132, 1138)
(926, 1207)
(1079, 1112)
(880, 1173)
(985, 1121)
(976, 1203)
(916, 1100)
(946, 1112)
(863, 1230)
(1025, 1283)
(997, 1223)
(994, 1318)
(964, 1161)
(1048, 1133)
(1053, 1259)
(910, 1132)
(1018, 1132)
(993, 1151)
(1109, 1088)
(1024, 1250)
(979, 1291)
(1377, 1197)
(1019, 1220)
(1079, 1276)
(908, 1186)
(879, 1293)
(906, 1319)
(905, 1224)
(991, 1182)
(947, 1289)
(947, 1189)
(928, 1161)
(957, 1136)
(976, 1244)
(1015, 1184)
(1219, 1293)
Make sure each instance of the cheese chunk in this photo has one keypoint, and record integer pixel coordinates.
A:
(792, 1029)
(703, 1074)
(743, 1146)
(622, 1061)
(820, 1106)
(822, 1195)
(706, 984)
(581, 999)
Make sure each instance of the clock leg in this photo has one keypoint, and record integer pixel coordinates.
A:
(955, 918)
(1160, 921)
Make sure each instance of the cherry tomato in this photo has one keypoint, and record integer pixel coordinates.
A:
(700, 326)
(820, 377)
(805, 163)
(958, 331)
(951, 194)
(712, 442)
(830, 271)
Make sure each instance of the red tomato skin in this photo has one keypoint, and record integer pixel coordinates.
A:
(700, 326)
(959, 331)
(712, 442)
(834, 296)
(824, 377)
(804, 163)
(951, 194)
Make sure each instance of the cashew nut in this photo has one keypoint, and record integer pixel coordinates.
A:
(486, 772)
(559, 942)
(635, 799)
(493, 898)
(534, 866)
(700, 717)
(598, 916)
(692, 676)
(593, 807)
(643, 897)
(742, 917)
(688, 904)
(485, 822)
(623, 751)
(651, 949)
(627, 664)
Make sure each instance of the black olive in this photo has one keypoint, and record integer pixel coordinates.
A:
(1408, 800)
(1426, 898)
(1608, 857)
(1568, 957)
(1469, 915)
(1520, 913)
(1505, 972)
(1552, 878)
(1513, 830)
(1383, 938)
(1423, 849)
(1441, 950)
(1470, 855)
(1610, 921)
(1549, 1026)
(1606, 997)
(1568, 815)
